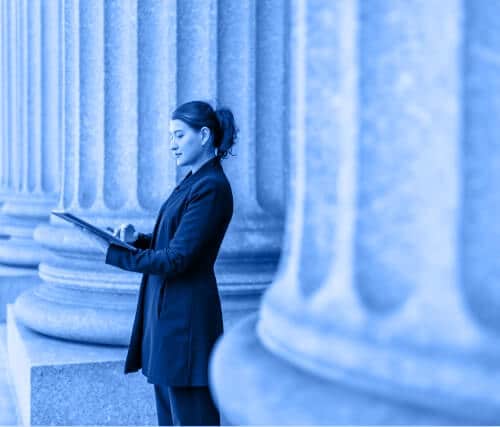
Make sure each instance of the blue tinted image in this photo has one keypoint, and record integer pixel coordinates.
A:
(293, 210)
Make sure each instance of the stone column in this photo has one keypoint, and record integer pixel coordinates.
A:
(33, 159)
(4, 103)
(117, 166)
(31, 163)
(3, 107)
(3, 100)
(251, 80)
(480, 156)
(384, 308)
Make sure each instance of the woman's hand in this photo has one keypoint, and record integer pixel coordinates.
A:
(125, 232)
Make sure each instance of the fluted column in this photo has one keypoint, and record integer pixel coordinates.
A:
(157, 56)
(3, 108)
(383, 310)
(32, 159)
(315, 276)
(480, 156)
(233, 54)
(4, 100)
(117, 166)
(3, 87)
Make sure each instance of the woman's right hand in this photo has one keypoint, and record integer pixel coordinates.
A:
(126, 232)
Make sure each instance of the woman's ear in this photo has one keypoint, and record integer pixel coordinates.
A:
(205, 135)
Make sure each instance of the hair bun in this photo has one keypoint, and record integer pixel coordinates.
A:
(198, 114)
(228, 131)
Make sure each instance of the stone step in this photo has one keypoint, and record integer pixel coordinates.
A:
(8, 413)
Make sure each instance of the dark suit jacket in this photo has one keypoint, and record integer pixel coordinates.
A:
(177, 260)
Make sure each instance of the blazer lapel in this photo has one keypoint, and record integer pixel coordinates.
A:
(185, 181)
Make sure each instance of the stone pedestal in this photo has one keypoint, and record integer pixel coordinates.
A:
(67, 383)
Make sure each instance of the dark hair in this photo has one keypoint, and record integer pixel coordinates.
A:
(198, 114)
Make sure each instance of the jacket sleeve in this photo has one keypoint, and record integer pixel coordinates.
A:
(199, 224)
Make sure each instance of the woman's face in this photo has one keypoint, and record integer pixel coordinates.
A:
(187, 144)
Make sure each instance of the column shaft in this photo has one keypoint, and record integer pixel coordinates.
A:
(271, 81)
(34, 182)
(27, 203)
(480, 230)
(12, 93)
(318, 255)
(157, 28)
(3, 100)
(49, 158)
(71, 104)
(251, 249)
(91, 149)
(120, 187)
(197, 52)
(4, 105)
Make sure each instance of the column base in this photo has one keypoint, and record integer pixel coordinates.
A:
(253, 386)
(238, 303)
(77, 320)
(242, 280)
(64, 383)
(21, 252)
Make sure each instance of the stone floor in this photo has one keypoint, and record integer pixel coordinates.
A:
(7, 409)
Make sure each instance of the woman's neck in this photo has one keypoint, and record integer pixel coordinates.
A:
(205, 159)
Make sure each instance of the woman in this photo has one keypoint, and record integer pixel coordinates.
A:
(178, 315)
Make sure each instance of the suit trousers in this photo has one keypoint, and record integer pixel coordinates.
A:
(179, 406)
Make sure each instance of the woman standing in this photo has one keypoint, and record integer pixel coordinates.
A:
(178, 315)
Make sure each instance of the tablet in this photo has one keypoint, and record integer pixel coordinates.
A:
(80, 223)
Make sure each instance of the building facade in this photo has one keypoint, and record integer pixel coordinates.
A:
(367, 157)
